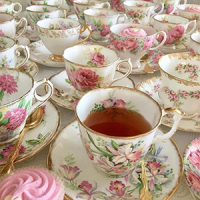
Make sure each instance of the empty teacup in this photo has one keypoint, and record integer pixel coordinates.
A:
(195, 43)
(118, 126)
(17, 90)
(9, 51)
(180, 83)
(59, 34)
(8, 25)
(92, 66)
(10, 7)
(134, 40)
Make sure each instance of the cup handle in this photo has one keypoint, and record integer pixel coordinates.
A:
(26, 53)
(40, 100)
(105, 5)
(193, 28)
(163, 41)
(120, 16)
(128, 61)
(157, 6)
(177, 117)
(85, 26)
(16, 12)
(23, 23)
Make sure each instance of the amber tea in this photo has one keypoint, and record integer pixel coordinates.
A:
(117, 122)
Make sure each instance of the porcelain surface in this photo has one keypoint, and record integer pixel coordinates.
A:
(82, 180)
(30, 34)
(23, 41)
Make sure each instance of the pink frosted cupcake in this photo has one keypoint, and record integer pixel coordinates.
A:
(31, 184)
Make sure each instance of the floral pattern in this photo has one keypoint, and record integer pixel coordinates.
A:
(1, 33)
(60, 26)
(136, 15)
(35, 17)
(3, 44)
(4, 62)
(118, 5)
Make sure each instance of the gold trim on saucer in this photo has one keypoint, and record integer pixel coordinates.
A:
(56, 58)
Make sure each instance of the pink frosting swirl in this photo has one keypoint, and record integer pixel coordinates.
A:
(29, 184)
(134, 32)
(193, 9)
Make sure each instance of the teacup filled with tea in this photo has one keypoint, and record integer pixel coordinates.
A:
(118, 126)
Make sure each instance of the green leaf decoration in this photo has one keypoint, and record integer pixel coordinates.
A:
(99, 23)
(45, 3)
(4, 121)
(100, 29)
(40, 136)
(1, 114)
(94, 20)
(110, 24)
(32, 142)
(114, 145)
(90, 63)
(158, 187)
(28, 105)
(67, 81)
(22, 103)
(72, 68)
(1, 156)
(1, 95)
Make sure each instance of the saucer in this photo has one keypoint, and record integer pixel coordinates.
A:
(151, 87)
(30, 67)
(23, 40)
(40, 54)
(37, 138)
(68, 158)
(65, 94)
(192, 167)
(30, 34)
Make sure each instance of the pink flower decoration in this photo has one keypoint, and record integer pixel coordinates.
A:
(63, 27)
(71, 172)
(102, 15)
(130, 44)
(105, 31)
(120, 104)
(177, 32)
(107, 103)
(111, 47)
(184, 93)
(97, 58)
(192, 51)
(194, 180)
(131, 12)
(1, 33)
(43, 108)
(86, 186)
(194, 158)
(118, 5)
(8, 83)
(117, 186)
(25, 66)
(148, 43)
(73, 104)
(119, 44)
(170, 9)
(157, 57)
(16, 118)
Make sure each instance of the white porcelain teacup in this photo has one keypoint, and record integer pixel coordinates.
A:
(195, 43)
(176, 28)
(8, 25)
(81, 5)
(180, 83)
(18, 89)
(92, 66)
(100, 20)
(9, 7)
(47, 2)
(58, 34)
(117, 155)
(139, 12)
(9, 51)
(134, 47)
(36, 13)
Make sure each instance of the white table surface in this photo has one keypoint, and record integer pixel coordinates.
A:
(181, 138)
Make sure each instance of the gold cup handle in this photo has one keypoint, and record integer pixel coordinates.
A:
(177, 117)
(23, 23)
(85, 26)
(128, 61)
(16, 12)
(122, 15)
(26, 53)
(163, 41)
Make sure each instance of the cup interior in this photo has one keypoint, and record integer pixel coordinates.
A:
(196, 37)
(138, 4)
(101, 12)
(82, 54)
(41, 8)
(14, 84)
(173, 19)
(58, 24)
(86, 2)
(4, 17)
(184, 66)
(130, 98)
(5, 43)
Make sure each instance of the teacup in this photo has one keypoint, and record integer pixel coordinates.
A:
(48, 2)
(139, 12)
(70, 4)
(92, 66)
(9, 51)
(176, 28)
(59, 34)
(8, 25)
(80, 6)
(190, 11)
(118, 155)
(118, 5)
(9, 7)
(17, 90)
(100, 20)
(195, 43)
(35, 13)
(180, 84)
(134, 47)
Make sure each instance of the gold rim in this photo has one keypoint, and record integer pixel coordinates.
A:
(14, 43)
(96, 9)
(179, 80)
(4, 13)
(50, 6)
(88, 4)
(193, 39)
(54, 135)
(70, 108)
(49, 163)
(123, 138)
(24, 95)
(88, 66)
(148, 81)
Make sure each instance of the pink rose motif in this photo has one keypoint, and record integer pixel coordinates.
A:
(130, 44)
(192, 51)
(148, 43)
(194, 158)
(111, 38)
(102, 15)
(71, 172)
(108, 103)
(73, 104)
(119, 44)
(196, 67)
(177, 32)
(1, 33)
(97, 58)
(25, 66)
(131, 12)
(157, 57)
(120, 104)
(63, 27)
(111, 47)
(8, 83)
(105, 31)
(193, 75)
(170, 9)
(16, 118)
(194, 180)
(184, 93)
(118, 5)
